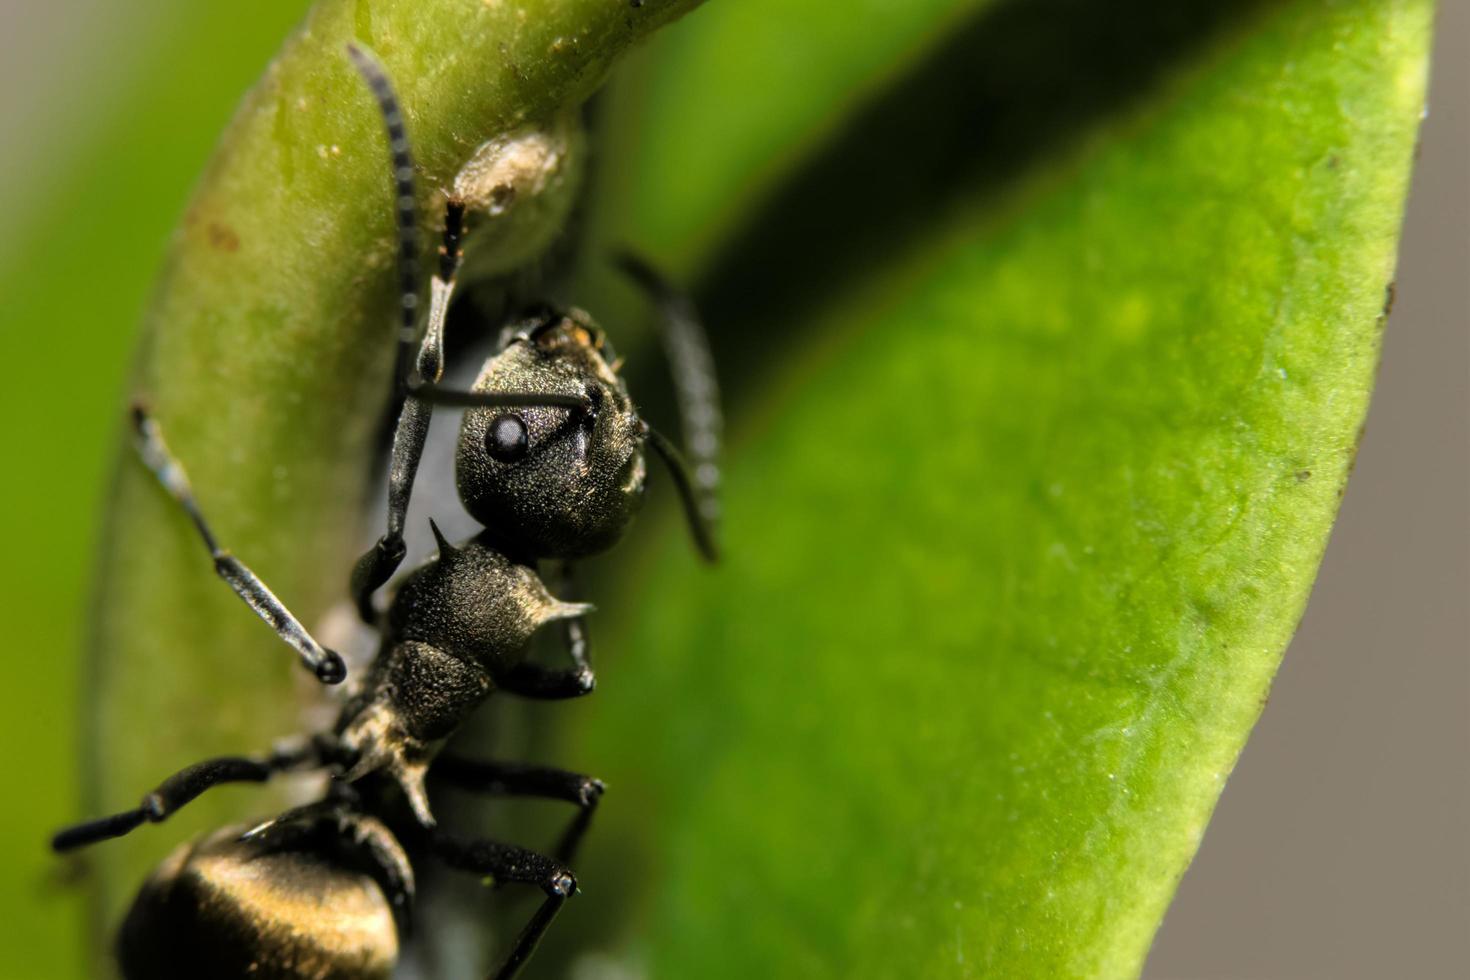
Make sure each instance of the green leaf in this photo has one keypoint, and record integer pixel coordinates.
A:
(1048, 330)
(1048, 364)
(266, 358)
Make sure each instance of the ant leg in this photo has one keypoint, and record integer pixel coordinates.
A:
(326, 664)
(697, 392)
(506, 862)
(518, 779)
(574, 629)
(544, 683)
(178, 790)
(531, 680)
(577, 642)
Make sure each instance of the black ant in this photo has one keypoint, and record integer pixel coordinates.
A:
(551, 462)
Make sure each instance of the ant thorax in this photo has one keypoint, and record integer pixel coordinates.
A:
(458, 628)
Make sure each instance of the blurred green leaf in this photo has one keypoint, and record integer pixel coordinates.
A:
(1049, 364)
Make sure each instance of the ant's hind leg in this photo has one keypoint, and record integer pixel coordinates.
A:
(326, 664)
(504, 863)
(178, 790)
(516, 779)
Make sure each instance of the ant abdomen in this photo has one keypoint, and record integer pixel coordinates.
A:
(223, 907)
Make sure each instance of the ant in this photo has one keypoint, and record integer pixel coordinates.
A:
(550, 461)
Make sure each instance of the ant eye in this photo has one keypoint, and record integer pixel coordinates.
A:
(507, 439)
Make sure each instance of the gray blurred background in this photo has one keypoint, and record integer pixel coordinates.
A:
(1339, 847)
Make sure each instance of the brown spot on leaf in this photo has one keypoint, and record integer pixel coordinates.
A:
(223, 237)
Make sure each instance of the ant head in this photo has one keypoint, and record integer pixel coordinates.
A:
(552, 481)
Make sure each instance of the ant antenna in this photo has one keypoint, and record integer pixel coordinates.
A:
(689, 495)
(406, 210)
(697, 392)
(429, 367)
